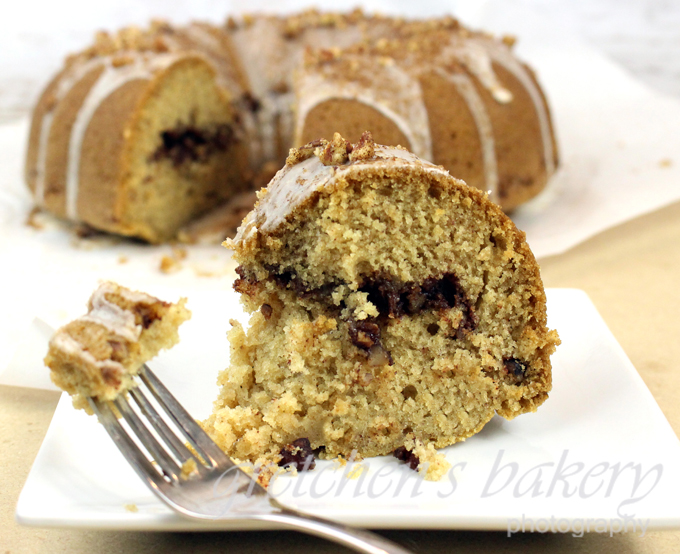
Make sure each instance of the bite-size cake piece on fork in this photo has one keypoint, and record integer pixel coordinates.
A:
(98, 354)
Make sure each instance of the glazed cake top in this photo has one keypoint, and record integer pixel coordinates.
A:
(107, 314)
(317, 166)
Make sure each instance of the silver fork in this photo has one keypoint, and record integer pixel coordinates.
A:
(219, 489)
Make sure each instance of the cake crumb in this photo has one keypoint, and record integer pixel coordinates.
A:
(33, 219)
(123, 259)
(131, 508)
(339, 462)
(266, 473)
(171, 264)
(356, 471)
(665, 163)
(189, 469)
(509, 40)
(424, 459)
(179, 253)
(206, 273)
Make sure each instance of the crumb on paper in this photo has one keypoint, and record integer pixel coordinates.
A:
(213, 267)
(339, 462)
(34, 220)
(131, 508)
(123, 259)
(40, 220)
(356, 471)
(172, 263)
(169, 265)
(665, 163)
(179, 253)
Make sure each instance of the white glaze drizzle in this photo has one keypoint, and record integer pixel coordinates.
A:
(107, 314)
(270, 63)
(264, 58)
(110, 80)
(399, 97)
(467, 90)
(66, 343)
(292, 185)
(503, 57)
(68, 79)
(41, 159)
(475, 57)
(203, 38)
(208, 44)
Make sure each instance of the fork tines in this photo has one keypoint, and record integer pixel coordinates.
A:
(167, 452)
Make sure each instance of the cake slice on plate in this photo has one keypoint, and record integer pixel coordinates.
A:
(392, 306)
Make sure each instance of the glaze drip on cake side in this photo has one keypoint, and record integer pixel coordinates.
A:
(399, 98)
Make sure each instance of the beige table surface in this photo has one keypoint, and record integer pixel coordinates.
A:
(632, 274)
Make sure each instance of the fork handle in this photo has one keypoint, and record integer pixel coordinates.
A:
(354, 538)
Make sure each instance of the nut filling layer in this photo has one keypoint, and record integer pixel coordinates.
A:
(392, 299)
(187, 143)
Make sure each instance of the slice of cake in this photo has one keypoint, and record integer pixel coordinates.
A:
(392, 306)
(99, 353)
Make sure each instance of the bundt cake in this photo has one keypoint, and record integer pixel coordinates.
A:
(99, 353)
(393, 308)
(148, 129)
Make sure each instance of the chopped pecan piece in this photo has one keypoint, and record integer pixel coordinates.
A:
(298, 454)
(405, 455)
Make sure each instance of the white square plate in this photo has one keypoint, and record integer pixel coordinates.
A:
(599, 449)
